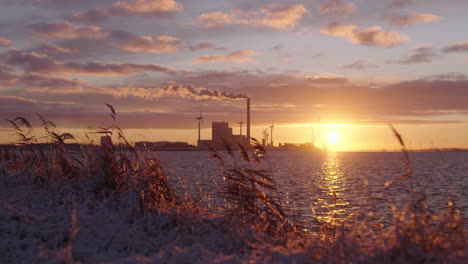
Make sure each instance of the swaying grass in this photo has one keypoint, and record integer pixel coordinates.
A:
(115, 205)
(251, 190)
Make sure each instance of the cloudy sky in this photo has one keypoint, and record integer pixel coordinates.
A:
(310, 67)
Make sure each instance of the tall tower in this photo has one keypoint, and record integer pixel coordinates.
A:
(200, 119)
(271, 127)
(248, 120)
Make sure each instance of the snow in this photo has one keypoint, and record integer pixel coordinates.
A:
(68, 221)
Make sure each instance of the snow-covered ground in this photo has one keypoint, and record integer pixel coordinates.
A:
(70, 221)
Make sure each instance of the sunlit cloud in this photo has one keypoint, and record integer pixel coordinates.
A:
(336, 7)
(7, 79)
(130, 7)
(35, 82)
(161, 44)
(413, 18)
(5, 42)
(66, 30)
(373, 36)
(288, 60)
(238, 56)
(48, 48)
(326, 79)
(338, 30)
(358, 65)
(420, 54)
(205, 45)
(41, 63)
(456, 47)
(275, 16)
(149, 6)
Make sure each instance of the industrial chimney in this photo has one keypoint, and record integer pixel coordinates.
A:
(248, 120)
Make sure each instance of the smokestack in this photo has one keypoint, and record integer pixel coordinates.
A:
(248, 120)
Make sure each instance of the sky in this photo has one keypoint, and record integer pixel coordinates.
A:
(310, 67)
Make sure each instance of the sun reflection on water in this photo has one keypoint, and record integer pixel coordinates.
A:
(331, 206)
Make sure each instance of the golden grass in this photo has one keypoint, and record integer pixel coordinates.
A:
(417, 234)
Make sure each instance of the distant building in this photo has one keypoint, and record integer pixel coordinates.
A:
(221, 132)
(164, 145)
(222, 135)
(297, 147)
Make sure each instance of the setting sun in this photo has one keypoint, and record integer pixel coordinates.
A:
(333, 137)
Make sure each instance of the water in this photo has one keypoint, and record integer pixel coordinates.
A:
(318, 186)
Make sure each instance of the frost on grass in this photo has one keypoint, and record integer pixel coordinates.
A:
(116, 205)
(36, 225)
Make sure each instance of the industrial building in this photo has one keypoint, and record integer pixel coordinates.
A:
(221, 134)
(163, 145)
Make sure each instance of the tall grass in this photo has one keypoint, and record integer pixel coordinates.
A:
(251, 190)
(161, 226)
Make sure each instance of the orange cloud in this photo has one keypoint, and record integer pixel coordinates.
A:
(286, 17)
(40, 63)
(53, 48)
(149, 6)
(336, 7)
(236, 56)
(378, 37)
(5, 42)
(326, 79)
(373, 36)
(130, 7)
(161, 44)
(66, 30)
(338, 30)
(413, 18)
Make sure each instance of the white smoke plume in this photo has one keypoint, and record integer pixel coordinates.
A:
(175, 89)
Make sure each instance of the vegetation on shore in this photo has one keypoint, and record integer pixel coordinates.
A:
(116, 205)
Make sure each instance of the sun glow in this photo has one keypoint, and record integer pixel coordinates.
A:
(333, 137)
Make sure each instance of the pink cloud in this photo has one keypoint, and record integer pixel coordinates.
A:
(130, 7)
(279, 17)
(373, 36)
(5, 42)
(66, 30)
(457, 47)
(161, 44)
(336, 7)
(48, 48)
(413, 18)
(205, 45)
(40, 63)
(358, 65)
(238, 56)
(35, 82)
(420, 54)
(378, 37)
(7, 79)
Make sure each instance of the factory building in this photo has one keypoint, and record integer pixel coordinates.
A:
(222, 134)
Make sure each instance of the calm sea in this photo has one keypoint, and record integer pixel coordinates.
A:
(319, 185)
